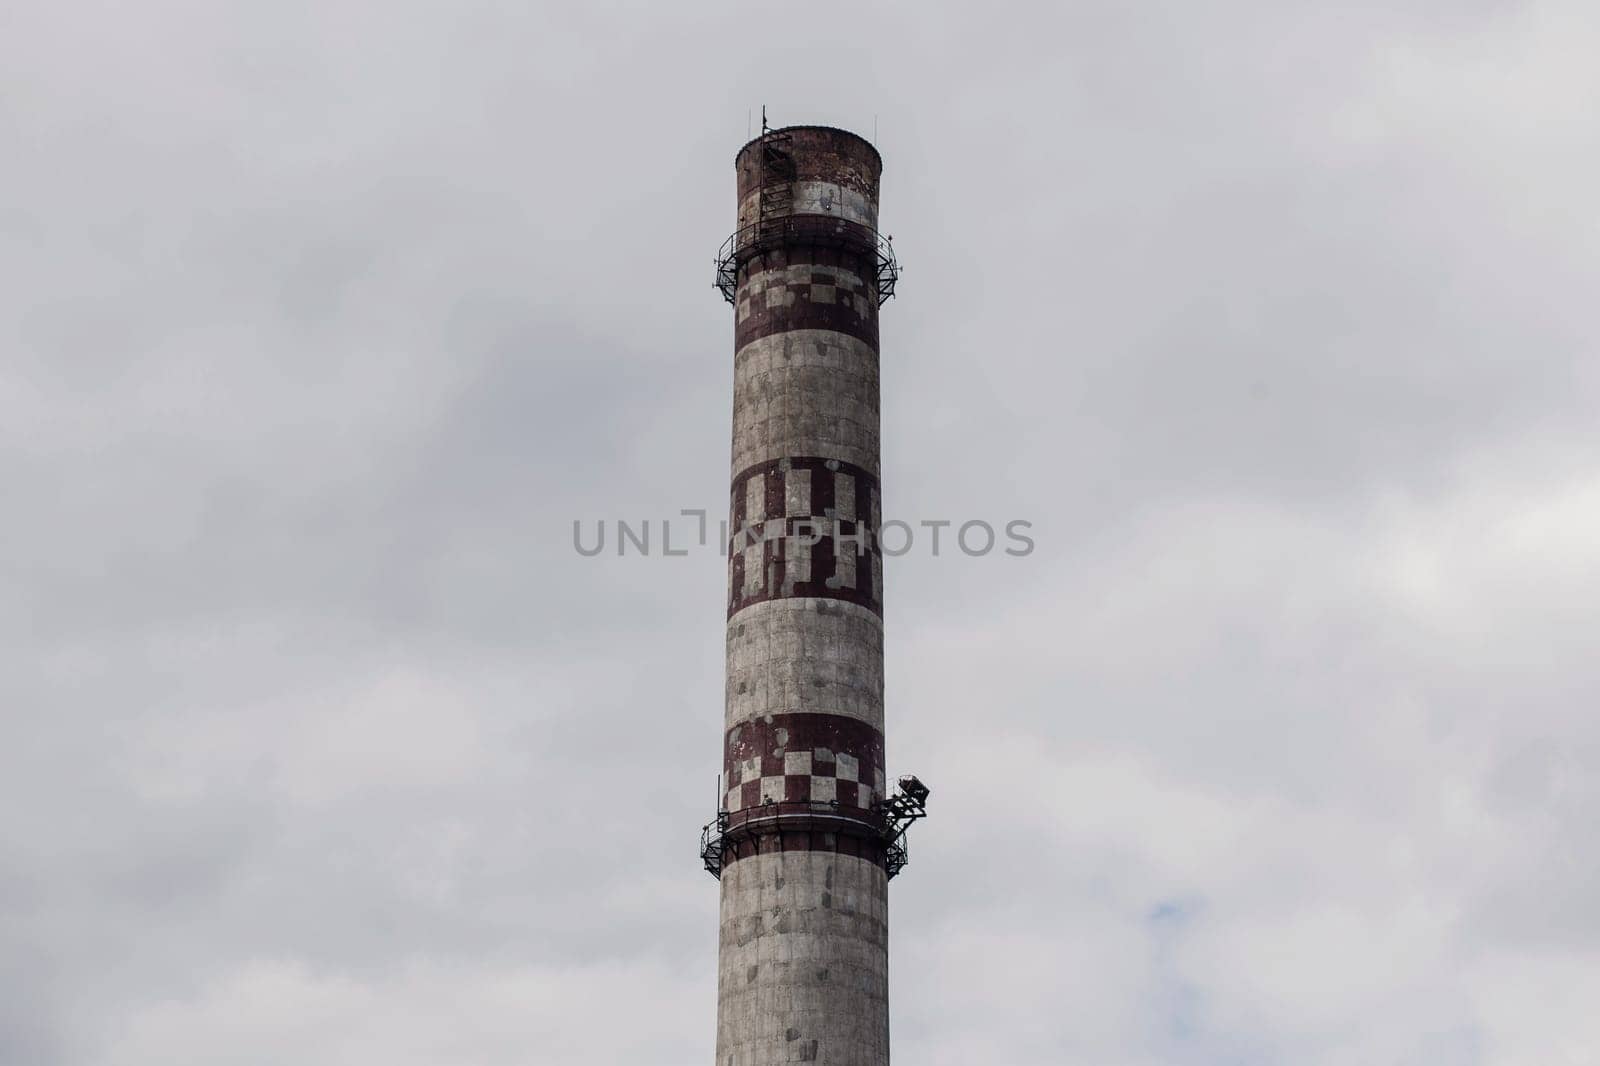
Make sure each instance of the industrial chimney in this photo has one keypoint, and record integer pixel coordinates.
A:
(808, 833)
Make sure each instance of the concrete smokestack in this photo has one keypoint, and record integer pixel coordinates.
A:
(808, 834)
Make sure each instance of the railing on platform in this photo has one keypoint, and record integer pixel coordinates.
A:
(886, 821)
(826, 231)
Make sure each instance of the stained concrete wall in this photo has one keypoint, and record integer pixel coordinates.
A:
(806, 392)
(825, 159)
(804, 962)
(807, 655)
(820, 198)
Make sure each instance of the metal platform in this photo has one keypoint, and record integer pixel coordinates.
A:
(813, 231)
(886, 822)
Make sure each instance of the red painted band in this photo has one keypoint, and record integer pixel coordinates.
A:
(836, 292)
(779, 757)
(746, 840)
(813, 463)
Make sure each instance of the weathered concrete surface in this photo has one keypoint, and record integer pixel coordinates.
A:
(821, 154)
(805, 655)
(804, 961)
(806, 392)
(820, 198)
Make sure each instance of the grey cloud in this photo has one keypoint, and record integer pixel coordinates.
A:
(320, 743)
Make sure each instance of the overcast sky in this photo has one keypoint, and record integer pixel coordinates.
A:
(322, 322)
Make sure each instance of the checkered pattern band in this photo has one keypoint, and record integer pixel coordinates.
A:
(822, 761)
(805, 526)
(807, 288)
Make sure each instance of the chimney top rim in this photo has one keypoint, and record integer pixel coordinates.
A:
(814, 126)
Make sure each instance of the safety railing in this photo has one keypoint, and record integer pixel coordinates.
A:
(886, 821)
(825, 231)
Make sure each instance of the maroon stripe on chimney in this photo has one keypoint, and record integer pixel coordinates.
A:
(824, 736)
(744, 842)
(823, 299)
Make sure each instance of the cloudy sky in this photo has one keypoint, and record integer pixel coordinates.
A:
(322, 322)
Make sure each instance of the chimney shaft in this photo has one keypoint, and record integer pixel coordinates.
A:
(804, 844)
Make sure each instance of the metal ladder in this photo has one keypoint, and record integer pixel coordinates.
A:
(775, 179)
